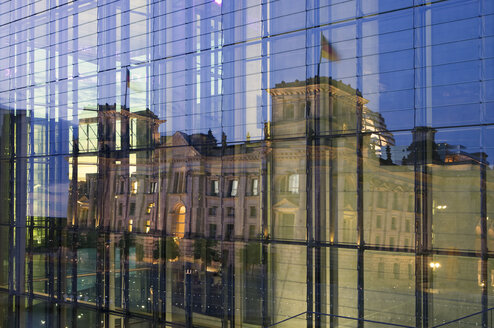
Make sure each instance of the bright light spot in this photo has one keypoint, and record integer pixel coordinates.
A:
(435, 265)
(143, 306)
(43, 322)
(218, 2)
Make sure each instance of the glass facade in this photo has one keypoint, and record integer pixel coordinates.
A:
(246, 163)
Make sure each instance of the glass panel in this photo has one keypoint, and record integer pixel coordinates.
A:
(390, 287)
(246, 163)
(465, 298)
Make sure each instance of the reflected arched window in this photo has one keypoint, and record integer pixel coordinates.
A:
(179, 222)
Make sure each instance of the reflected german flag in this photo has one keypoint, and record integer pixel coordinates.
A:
(327, 51)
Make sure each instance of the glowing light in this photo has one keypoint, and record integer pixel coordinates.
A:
(435, 265)
(218, 2)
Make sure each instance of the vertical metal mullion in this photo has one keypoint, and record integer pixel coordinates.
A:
(266, 169)
(360, 217)
(422, 141)
(359, 173)
(265, 199)
(483, 189)
(309, 133)
(484, 247)
(418, 245)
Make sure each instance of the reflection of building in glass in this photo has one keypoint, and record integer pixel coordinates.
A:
(191, 163)
(218, 219)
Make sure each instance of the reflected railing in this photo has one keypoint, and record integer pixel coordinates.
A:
(477, 319)
(343, 321)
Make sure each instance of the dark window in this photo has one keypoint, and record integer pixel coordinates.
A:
(393, 223)
(380, 269)
(212, 230)
(286, 225)
(230, 211)
(120, 209)
(252, 211)
(289, 112)
(396, 270)
(132, 209)
(411, 205)
(229, 232)
(122, 187)
(175, 181)
(381, 199)
(179, 183)
(396, 204)
(212, 210)
(252, 231)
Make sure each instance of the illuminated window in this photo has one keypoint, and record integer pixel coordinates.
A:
(149, 208)
(234, 188)
(293, 183)
(135, 186)
(255, 187)
(215, 187)
(148, 226)
(153, 186)
(179, 224)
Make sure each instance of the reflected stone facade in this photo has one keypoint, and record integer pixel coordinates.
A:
(246, 163)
